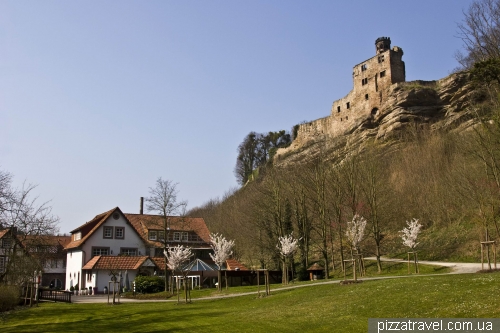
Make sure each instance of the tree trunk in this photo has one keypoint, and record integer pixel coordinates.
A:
(219, 280)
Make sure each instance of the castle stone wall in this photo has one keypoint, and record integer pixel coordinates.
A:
(371, 78)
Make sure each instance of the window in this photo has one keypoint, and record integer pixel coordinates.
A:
(152, 235)
(185, 236)
(6, 243)
(56, 283)
(2, 264)
(348, 105)
(382, 74)
(64, 263)
(119, 232)
(177, 236)
(381, 59)
(338, 108)
(366, 96)
(363, 67)
(128, 251)
(108, 232)
(53, 263)
(364, 81)
(100, 251)
(77, 236)
(161, 235)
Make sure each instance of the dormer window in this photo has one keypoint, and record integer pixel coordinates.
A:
(177, 236)
(185, 236)
(152, 235)
(77, 236)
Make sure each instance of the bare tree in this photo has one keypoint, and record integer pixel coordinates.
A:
(480, 32)
(163, 200)
(26, 218)
(222, 248)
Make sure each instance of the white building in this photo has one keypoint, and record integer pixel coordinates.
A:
(128, 245)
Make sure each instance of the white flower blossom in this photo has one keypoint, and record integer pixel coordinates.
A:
(356, 230)
(176, 256)
(287, 245)
(410, 233)
(222, 249)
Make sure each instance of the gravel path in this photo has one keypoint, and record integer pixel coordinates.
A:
(458, 268)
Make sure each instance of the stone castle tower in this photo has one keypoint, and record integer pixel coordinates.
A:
(370, 79)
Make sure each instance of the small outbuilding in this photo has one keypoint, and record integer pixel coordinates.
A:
(315, 272)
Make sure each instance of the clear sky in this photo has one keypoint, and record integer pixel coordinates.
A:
(100, 98)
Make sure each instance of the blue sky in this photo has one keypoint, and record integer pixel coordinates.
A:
(100, 98)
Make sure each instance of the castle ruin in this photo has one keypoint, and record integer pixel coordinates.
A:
(371, 78)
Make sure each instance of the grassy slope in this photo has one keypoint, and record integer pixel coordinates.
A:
(322, 308)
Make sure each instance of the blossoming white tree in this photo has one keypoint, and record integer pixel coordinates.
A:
(355, 232)
(410, 233)
(222, 248)
(176, 258)
(287, 245)
(409, 236)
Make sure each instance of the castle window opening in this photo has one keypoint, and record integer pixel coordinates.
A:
(381, 59)
(363, 67)
(382, 74)
(374, 111)
(364, 81)
(338, 108)
(348, 105)
(346, 118)
(366, 96)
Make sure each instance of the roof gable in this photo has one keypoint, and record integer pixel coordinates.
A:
(89, 228)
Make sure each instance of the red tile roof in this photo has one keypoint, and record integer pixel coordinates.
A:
(3, 232)
(233, 264)
(115, 262)
(47, 240)
(88, 228)
(144, 222)
(160, 262)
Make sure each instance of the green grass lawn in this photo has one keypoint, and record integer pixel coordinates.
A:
(319, 308)
(389, 269)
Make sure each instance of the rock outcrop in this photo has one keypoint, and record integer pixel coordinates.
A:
(436, 105)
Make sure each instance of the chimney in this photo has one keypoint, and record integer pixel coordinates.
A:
(141, 211)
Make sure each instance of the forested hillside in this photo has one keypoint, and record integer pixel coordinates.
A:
(440, 166)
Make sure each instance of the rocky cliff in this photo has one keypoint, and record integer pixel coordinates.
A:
(436, 105)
